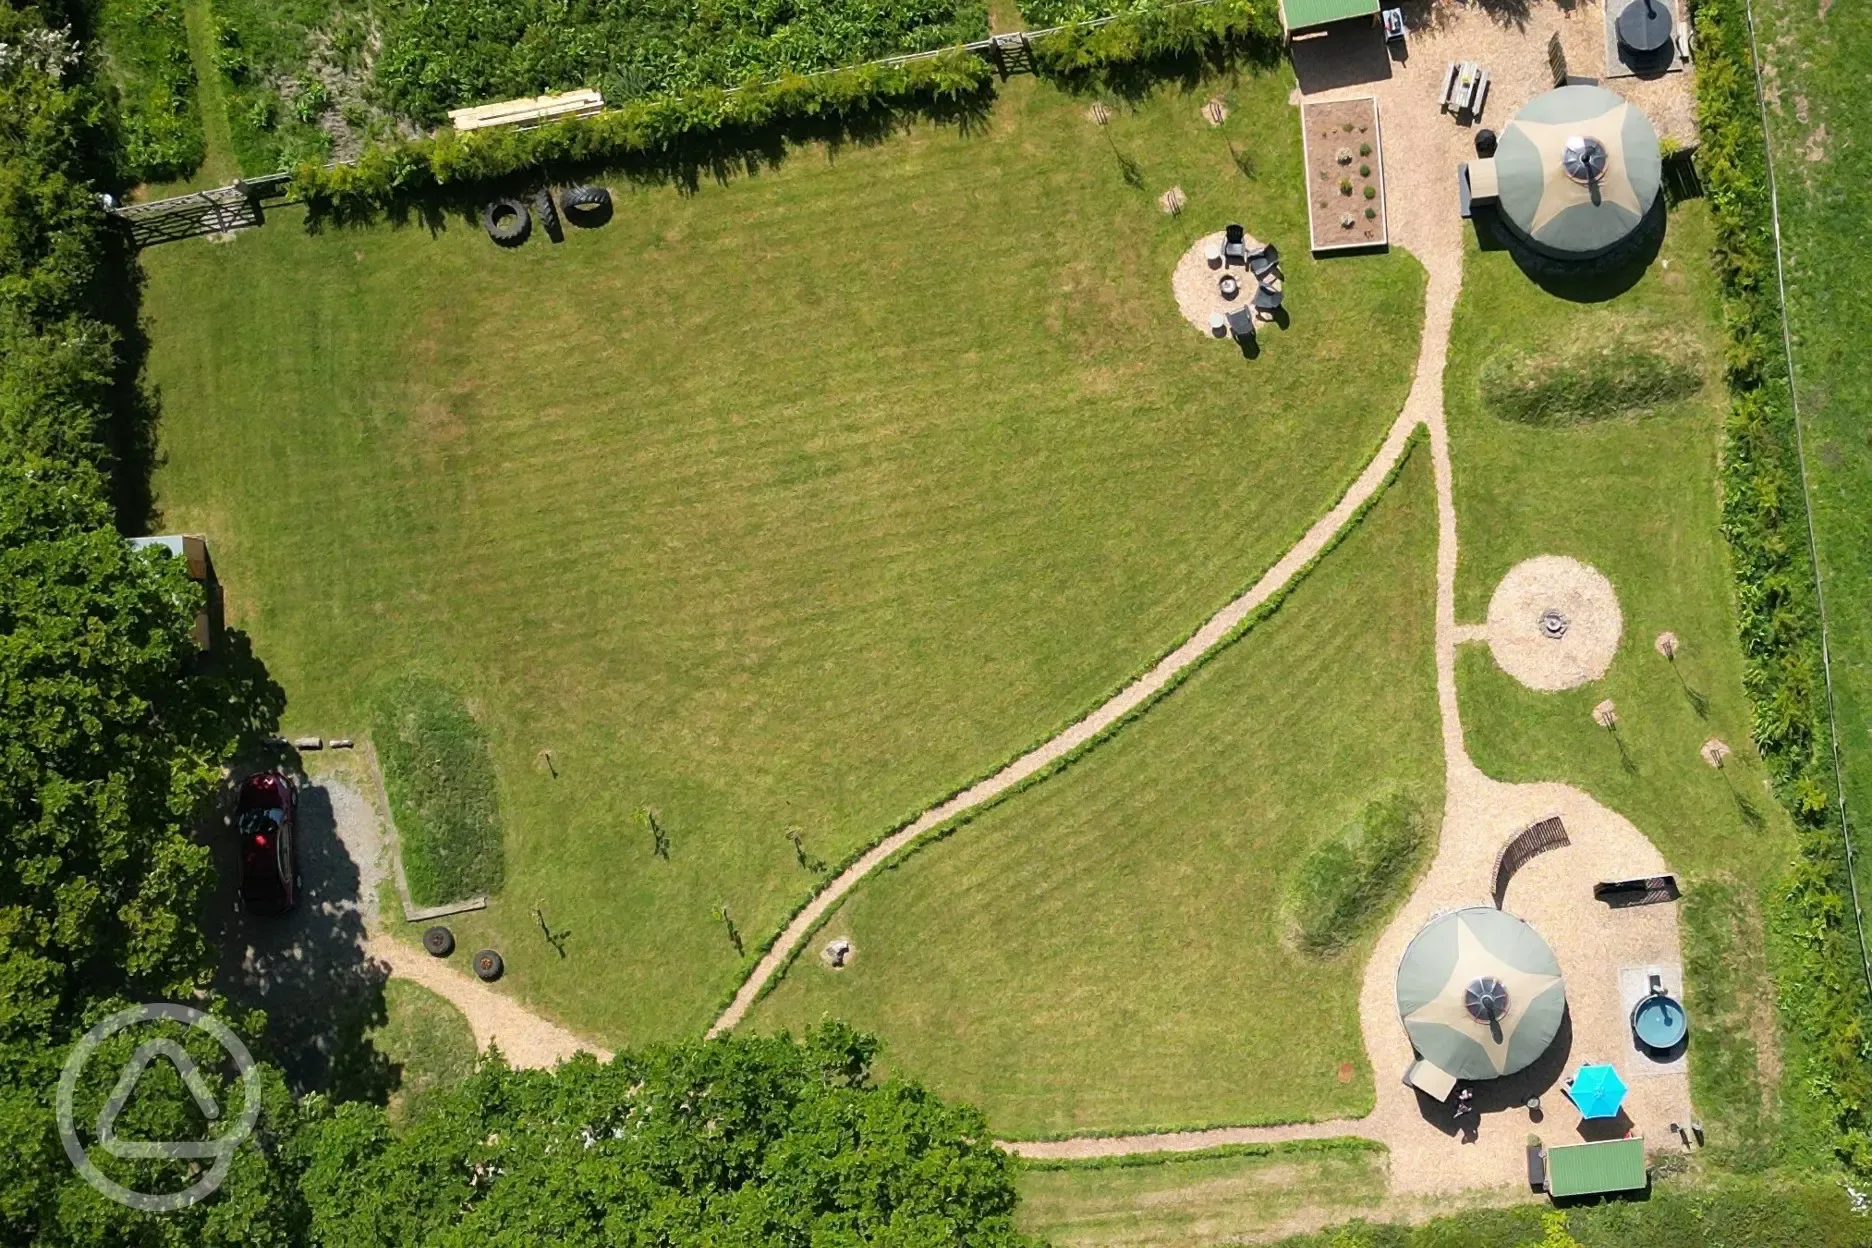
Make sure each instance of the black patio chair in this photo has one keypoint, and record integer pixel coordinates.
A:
(1234, 233)
(1265, 261)
(1267, 299)
(1241, 324)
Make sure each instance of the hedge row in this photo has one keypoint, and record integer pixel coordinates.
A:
(441, 54)
(690, 130)
(1823, 995)
(1154, 32)
(659, 128)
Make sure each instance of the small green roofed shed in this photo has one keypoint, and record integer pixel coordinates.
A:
(1297, 15)
(1596, 1168)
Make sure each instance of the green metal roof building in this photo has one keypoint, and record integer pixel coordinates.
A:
(1306, 14)
(1596, 1168)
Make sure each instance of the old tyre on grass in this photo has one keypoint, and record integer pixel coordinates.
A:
(547, 214)
(586, 206)
(488, 966)
(507, 222)
(439, 941)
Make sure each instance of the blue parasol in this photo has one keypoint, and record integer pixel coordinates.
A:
(1598, 1092)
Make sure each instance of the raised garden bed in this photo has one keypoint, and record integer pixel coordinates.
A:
(1345, 174)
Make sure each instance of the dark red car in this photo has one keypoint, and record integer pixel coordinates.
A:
(264, 821)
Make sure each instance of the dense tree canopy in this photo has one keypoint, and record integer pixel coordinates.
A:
(113, 734)
(766, 1141)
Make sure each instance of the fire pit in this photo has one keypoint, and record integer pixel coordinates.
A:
(1229, 286)
(1553, 625)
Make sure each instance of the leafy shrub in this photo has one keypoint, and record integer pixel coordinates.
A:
(442, 792)
(737, 1140)
(1586, 381)
(1345, 186)
(1364, 149)
(1371, 214)
(1154, 31)
(311, 102)
(1371, 192)
(1350, 879)
(146, 45)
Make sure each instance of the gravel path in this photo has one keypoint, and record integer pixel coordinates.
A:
(344, 908)
(1428, 1157)
(526, 1039)
(1131, 697)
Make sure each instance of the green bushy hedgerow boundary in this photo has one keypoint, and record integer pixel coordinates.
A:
(1820, 971)
(1586, 381)
(443, 795)
(442, 54)
(1354, 875)
(679, 134)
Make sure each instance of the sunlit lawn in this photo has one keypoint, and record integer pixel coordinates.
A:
(1104, 951)
(792, 503)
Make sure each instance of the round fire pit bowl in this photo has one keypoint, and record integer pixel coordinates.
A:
(1229, 286)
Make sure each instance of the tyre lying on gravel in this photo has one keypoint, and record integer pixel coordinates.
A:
(439, 941)
(586, 206)
(507, 222)
(488, 965)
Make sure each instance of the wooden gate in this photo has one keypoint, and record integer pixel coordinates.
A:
(219, 211)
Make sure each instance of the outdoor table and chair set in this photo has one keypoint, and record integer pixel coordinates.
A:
(1262, 260)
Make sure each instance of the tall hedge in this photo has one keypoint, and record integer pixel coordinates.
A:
(1822, 988)
(691, 130)
(111, 737)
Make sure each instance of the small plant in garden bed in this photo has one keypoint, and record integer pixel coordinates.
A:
(1371, 192)
(1345, 186)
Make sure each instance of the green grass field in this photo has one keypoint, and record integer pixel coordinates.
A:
(795, 502)
(1187, 1202)
(1104, 951)
(1819, 121)
(1636, 498)
(428, 1044)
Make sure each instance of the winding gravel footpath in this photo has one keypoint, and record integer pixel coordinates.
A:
(1130, 698)
(1427, 1155)
(526, 1040)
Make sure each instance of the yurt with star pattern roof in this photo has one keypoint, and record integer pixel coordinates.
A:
(1575, 173)
(1481, 996)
